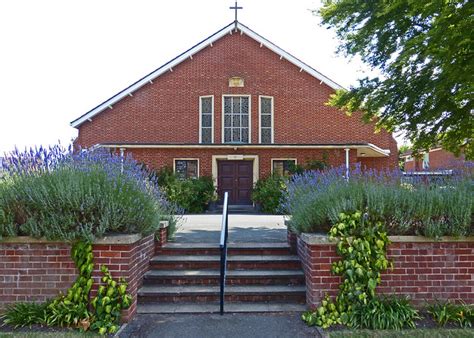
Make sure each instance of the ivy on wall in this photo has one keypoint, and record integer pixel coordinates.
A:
(76, 308)
(362, 244)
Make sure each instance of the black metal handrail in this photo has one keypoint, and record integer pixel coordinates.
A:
(223, 249)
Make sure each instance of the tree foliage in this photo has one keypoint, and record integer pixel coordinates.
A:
(424, 51)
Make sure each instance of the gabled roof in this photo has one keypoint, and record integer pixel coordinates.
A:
(229, 29)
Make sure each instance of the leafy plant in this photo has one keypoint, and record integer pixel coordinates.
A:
(425, 59)
(192, 194)
(111, 298)
(72, 308)
(383, 314)
(268, 192)
(447, 312)
(362, 243)
(24, 314)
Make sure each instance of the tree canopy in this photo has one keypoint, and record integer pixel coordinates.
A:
(424, 52)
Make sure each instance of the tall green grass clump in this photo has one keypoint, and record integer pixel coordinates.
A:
(434, 208)
(64, 195)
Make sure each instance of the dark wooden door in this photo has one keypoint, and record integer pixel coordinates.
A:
(236, 178)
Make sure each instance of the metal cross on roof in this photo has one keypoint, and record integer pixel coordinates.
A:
(236, 8)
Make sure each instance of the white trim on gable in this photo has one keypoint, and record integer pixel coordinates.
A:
(200, 117)
(260, 117)
(148, 79)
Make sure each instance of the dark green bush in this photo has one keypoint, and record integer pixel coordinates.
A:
(63, 195)
(268, 192)
(192, 194)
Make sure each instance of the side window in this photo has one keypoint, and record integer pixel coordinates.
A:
(186, 168)
(206, 111)
(282, 167)
(426, 161)
(266, 119)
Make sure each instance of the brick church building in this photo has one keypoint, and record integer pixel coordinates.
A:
(235, 107)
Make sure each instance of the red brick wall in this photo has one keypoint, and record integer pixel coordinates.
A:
(129, 261)
(167, 111)
(34, 272)
(438, 159)
(39, 271)
(413, 165)
(423, 271)
(157, 158)
(442, 159)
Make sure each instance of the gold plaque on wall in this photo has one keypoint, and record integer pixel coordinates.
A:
(236, 82)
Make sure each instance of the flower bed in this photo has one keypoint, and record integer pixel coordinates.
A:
(442, 207)
(63, 216)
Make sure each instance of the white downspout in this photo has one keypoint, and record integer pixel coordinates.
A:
(347, 163)
(122, 151)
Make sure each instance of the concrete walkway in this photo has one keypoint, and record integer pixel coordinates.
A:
(215, 326)
(242, 228)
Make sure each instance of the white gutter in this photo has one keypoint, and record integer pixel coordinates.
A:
(382, 152)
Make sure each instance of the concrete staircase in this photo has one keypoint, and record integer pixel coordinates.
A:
(261, 277)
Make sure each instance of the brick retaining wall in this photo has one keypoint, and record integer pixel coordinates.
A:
(424, 269)
(37, 270)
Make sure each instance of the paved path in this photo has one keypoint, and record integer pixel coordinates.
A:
(216, 326)
(242, 228)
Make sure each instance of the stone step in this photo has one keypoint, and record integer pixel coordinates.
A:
(198, 293)
(234, 277)
(275, 248)
(234, 262)
(230, 307)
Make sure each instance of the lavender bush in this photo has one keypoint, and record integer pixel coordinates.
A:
(61, 194)
(436, 208)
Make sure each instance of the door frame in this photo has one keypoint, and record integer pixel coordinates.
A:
(231, 157)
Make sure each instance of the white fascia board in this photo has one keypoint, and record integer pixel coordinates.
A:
(385, 152)
(186, 55)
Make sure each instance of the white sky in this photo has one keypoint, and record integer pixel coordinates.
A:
(59, 59)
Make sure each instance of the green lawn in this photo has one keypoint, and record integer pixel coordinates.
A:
(417, 333)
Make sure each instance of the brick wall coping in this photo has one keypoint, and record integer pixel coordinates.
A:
(314, 239)
(111, 239)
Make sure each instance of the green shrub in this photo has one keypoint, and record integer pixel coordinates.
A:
(24, 314)
(268, 192)
(387, 313)
(192, 194)
(446, 312)
(439, 208)
(63, 195)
